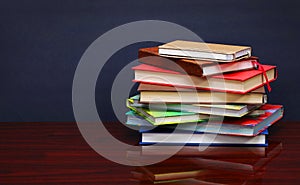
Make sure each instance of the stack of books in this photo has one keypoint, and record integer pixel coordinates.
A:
(211, 94)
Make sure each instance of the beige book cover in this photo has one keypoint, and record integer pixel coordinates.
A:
(202, 49)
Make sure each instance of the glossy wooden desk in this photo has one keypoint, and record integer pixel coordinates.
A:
(42, 153)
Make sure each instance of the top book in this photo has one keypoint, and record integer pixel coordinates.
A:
(202, 50)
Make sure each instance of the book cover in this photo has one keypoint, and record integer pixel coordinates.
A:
(153, 87)
(247, 125)
(168, 137)
(202, 97)
(198, 67)
(209, 51)
(163, 117)
(236, 82)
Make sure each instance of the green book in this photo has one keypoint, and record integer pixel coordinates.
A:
(163, 117)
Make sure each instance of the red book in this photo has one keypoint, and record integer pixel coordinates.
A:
(193, 67)
(247, 125)
(239, 82)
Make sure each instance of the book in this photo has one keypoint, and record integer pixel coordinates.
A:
(135, 120)
(138, 120)
(230, 110)
(201, 97)
(248, 125)
(163, 117)
(240, 82)
(153, 87)
(167, 137)
(197, 67)
(208, 51)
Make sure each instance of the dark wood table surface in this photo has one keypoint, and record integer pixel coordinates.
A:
(56, 153)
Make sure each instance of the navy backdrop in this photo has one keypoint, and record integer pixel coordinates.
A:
(42, 42)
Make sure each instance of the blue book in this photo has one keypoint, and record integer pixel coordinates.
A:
(169, 137)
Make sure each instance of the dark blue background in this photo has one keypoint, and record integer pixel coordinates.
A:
(42, 42)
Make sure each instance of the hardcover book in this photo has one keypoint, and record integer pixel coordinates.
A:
(208, 51)
(247, 125)
(163, 117)
(201, 97)
(153, 87)
(197, 67)
(167, 137)
(240, 82)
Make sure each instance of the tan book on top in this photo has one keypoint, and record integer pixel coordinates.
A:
(202, 50)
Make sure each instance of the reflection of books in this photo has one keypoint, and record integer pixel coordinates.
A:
(209, 177)
(241, 165)
(170, 170)
(208, 152)
(181, 169)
